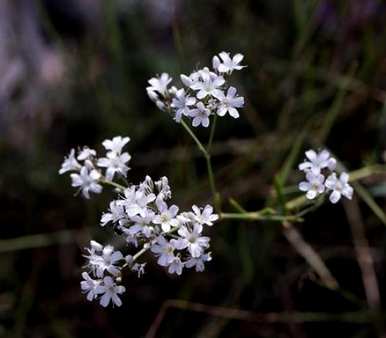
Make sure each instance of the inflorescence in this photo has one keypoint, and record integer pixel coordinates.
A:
(205, 92)
(321, 177)
(141, 216)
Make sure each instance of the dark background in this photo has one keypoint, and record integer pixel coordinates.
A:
(74, 73)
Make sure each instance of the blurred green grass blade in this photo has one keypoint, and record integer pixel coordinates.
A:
(290, 161)
(336, 106)
(369, 200)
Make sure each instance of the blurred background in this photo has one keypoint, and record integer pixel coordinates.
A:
(74, 72)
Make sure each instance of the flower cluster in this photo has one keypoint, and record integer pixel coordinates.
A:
(142, 216)
(205, 92)
(321, 177)
(86, 168)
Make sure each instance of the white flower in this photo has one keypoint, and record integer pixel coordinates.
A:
(139, 269)
(339, 187)
(229, 103)
(206, 216)
(167, 217)
(117, 212)
(141, 224)
(200, 115)
(136, 201)
(70, 163)
(216, 62)
(106, 261)
(188, 81)
(164, 250)
(209, 85)
(198, 262)
(313, 186)
(86, 153)
(163, 187)
(159, 84)
(87, 181)
(88, 286)
(116, 144)
(181, 103)
(110, 291)
(176, 266)
(317, 162)
(192, 240)
(229, 64)
(115, 163)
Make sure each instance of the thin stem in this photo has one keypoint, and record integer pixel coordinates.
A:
(195, 139)
(215, 195)
(257, 216)
(113, 184)
(212, 131)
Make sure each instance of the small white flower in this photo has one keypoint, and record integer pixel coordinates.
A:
(339, 187)
(114, 163)
(88, 286)
(230, 64)
(86, 153)
(229, 103)
(105, 260)
(110, 291)
(139, 269)
(206, 216)
(141, 224)
(167, 217)
(181, 103)
(199, 262)
(313, 186)
(176, 266)
(87, 181)
(188, 81)
(164, 250)
(210, 84)
(116, 144)
(117, 212)
(163, 187)
(216, 62)
(160, 84)
(136, 201)
(200, 115)
(192, 240)
(70, 163)
(317, 162)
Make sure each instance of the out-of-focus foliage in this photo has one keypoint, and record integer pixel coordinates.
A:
(75, 72)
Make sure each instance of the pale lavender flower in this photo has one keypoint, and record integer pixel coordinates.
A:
(339, 187)
(317, 161)
(176, 266)
(87, 181)
(88, 286)
(200, 115)
(229, 103)
(164, 250)
(182, 103)
(110, 291)
(114, 163)
(230, 64)
(70, 163)
(199, 262)
(192, 240)
(313, 186)
(116, 144)
(206, 216)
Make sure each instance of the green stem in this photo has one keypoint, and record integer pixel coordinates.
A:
(113, 184)
(211, 136)
(215, 194)
(257, 216)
